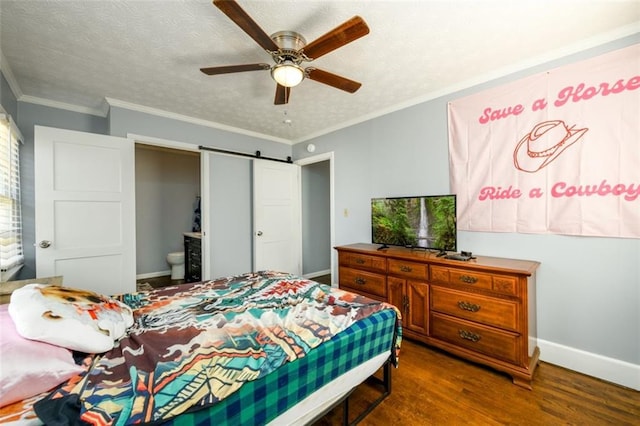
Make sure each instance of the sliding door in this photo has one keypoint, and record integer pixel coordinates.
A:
(226, 222)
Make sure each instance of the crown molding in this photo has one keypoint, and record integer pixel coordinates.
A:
(100, 112)
(185, 118)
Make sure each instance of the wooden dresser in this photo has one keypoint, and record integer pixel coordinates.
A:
(482, 309)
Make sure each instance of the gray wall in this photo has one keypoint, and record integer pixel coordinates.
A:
(588, 289)
(8, 99)
(316, 218)
(167, 184)
(124, 121)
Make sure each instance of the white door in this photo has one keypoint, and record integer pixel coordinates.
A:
(85, 209)
(277, 228)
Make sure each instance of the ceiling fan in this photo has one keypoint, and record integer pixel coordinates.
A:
(289, 50)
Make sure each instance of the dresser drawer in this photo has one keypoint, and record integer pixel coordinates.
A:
(444, 275)
(489, 341)
(487, 310)
(363, 281)
(404, 268)
(499, 283)
(363, 261)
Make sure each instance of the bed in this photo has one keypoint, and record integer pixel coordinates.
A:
(257, 348)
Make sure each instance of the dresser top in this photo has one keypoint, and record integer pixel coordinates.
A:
(520, 266)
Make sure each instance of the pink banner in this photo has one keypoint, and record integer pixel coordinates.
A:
(557, 152)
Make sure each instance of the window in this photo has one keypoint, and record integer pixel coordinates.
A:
(11, 255)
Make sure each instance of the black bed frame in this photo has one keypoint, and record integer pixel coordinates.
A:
(385, 387)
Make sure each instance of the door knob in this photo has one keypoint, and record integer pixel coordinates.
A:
(259, 233)
(45, 244)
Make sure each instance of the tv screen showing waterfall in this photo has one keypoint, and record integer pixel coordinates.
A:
(427, 222)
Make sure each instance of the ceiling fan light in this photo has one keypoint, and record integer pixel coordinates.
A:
(287, 74)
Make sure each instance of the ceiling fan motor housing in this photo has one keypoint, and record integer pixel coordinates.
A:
(289, 43)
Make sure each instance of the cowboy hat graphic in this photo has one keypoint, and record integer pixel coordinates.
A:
(546, 141)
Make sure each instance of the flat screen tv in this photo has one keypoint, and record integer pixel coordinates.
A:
(427, 222)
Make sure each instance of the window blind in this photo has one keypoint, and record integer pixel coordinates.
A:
(11, 254)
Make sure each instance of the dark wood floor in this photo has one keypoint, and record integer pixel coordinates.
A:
(162, 281)
(324, 279)
(431, 387)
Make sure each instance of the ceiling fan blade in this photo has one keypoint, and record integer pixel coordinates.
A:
(244, 21)
(226, 69)
(334, 80)
(282, 95)
(343, 34)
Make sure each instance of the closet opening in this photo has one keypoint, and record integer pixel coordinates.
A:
(168, 215)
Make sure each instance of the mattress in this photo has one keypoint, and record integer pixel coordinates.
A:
(325, 398)
(262, 401)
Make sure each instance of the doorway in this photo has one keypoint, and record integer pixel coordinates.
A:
(317, 194)
(167, 184)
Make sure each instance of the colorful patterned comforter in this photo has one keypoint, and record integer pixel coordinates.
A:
(194, 344)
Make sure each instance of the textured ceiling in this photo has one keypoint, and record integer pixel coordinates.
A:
(148, 53)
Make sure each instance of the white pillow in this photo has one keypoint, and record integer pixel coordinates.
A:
(27, 367)
(72, 318)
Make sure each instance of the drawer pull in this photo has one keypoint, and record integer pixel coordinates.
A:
(466, 306)
(404, 268)
(468, 335)
(360, 261)
(468, 279)
(360, 281)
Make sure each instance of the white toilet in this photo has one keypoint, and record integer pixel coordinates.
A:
(176, 260)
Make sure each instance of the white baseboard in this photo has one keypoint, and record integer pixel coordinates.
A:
(317, 274)
(153, 275)
(609, 369)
